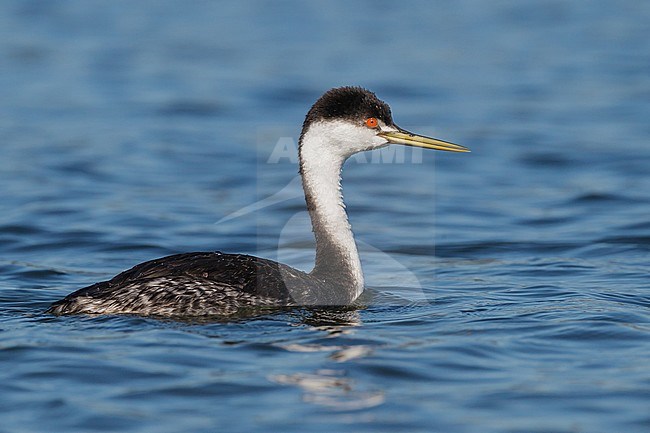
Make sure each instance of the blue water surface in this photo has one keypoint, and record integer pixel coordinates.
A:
(508, 288)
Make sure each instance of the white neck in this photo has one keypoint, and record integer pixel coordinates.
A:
(321, 161)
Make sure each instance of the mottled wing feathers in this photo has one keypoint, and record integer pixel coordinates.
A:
(190, 284)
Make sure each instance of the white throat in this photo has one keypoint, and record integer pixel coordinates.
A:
(324, 148)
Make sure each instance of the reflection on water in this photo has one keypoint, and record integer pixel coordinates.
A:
(332, 389)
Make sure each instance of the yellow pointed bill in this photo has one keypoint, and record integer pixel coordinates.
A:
(409, 139)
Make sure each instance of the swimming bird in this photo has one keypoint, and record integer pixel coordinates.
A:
(342, 122)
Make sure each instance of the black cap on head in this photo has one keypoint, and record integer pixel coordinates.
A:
(350, 103)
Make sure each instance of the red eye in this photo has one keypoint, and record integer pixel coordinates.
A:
(372, 122)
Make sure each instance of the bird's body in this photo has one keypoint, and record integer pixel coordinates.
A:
(342, 122)
(192, 284)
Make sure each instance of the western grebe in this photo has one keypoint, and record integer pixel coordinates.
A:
(342, 122)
